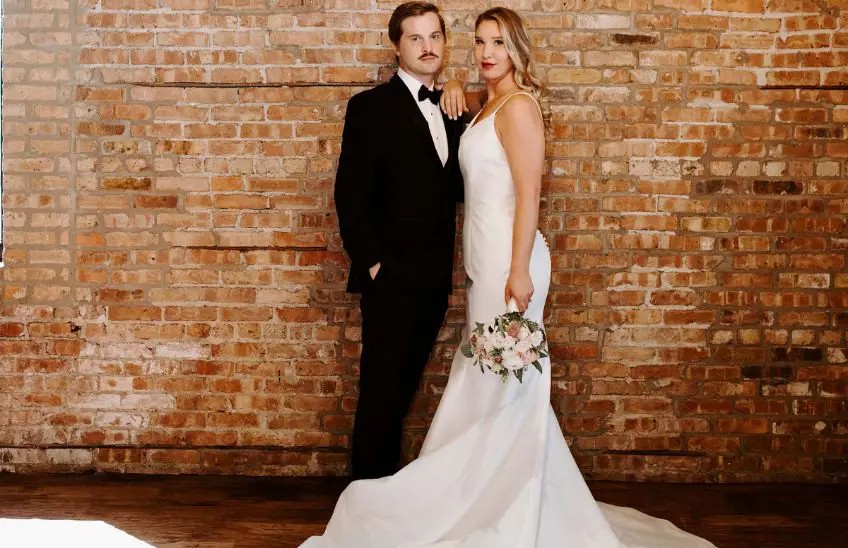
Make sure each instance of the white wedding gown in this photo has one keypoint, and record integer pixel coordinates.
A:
(494, 470)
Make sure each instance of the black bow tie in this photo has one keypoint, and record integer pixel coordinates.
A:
(424, 93)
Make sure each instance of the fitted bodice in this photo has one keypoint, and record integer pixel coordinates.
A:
(489, 201)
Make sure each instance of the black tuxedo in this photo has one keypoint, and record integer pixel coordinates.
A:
(396, 205)
(395, 200)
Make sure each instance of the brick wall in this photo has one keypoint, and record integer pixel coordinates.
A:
(172, 296)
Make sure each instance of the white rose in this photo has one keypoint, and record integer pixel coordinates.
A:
(536, 338)
(524, 333)
(512, 361)
(523, 346)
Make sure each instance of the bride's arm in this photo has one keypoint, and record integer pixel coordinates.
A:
(455, 100)
(521, 130)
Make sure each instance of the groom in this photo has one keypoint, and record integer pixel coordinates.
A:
(397, 185)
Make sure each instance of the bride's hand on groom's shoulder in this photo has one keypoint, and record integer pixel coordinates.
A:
(453, 99)
(519, 286)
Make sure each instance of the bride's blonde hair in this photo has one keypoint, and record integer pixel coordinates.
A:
(517, 46)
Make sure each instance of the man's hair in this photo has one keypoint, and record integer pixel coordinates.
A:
(410, 9)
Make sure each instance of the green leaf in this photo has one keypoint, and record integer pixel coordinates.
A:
(466, 350)
(537, 365)
(520, 374)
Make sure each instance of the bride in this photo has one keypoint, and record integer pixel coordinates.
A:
(495, 470)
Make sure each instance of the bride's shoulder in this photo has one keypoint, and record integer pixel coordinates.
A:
(519, 109)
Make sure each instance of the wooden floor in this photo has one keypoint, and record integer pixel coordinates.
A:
(244, 512)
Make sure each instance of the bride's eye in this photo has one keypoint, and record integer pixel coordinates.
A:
(477, 41)
(499, 42)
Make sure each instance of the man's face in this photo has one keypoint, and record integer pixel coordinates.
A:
(421, 46)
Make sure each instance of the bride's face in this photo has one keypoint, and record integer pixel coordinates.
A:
(490, 52)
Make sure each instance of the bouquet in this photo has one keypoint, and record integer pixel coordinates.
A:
(509, 345)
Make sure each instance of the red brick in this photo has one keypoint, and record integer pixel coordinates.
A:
(123, 313)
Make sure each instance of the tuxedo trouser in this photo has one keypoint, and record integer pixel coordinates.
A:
(399, 328)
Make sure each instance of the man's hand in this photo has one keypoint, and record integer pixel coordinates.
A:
(453, 99)
(374, 270)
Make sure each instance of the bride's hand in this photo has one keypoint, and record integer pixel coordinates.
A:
(519, 286)
(453, 99)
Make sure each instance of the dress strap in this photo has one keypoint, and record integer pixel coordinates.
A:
(522, 92)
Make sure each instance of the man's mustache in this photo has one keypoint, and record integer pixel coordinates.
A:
(428, 56)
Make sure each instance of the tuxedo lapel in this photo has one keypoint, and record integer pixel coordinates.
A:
(410, 110)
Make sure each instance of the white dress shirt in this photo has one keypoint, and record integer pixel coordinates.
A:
(432, 113)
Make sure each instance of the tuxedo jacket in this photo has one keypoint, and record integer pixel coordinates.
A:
(395, 200)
